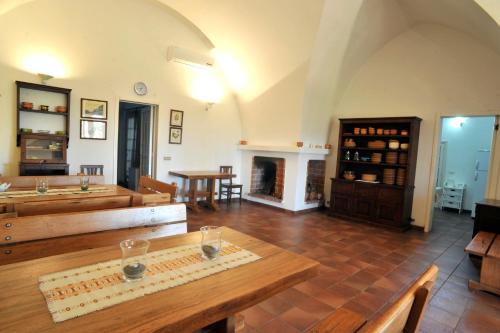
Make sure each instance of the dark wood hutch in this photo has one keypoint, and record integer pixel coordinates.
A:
(42, 128)
(363, 149)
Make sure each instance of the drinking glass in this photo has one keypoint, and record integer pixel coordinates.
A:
(84, 183)
(42, 185)
(134, 258)
(210, 242)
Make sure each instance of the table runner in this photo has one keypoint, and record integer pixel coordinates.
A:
(57, 191)
(86, 289)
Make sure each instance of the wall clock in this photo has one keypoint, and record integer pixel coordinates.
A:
(140, 88)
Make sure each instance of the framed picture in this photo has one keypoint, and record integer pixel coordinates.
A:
(175, 136)
(176, 118)
(94, 109)
(92, 129)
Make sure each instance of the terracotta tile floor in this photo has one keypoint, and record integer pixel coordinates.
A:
(362, 269)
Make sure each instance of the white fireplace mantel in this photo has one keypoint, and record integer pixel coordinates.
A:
(285, 149)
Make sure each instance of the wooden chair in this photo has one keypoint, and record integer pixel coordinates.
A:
(92, 169)
(226, 189)
(148, 185)
(31, 237)
(407, 312)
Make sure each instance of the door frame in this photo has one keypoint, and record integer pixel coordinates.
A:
(493, 188)
(155, 110)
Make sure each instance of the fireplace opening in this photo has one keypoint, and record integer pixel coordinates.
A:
(315, 181)
(268, 175)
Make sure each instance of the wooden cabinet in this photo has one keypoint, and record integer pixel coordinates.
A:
(39, 149)
(388, 199)
(487, 216)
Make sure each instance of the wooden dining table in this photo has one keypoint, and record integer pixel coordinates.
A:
(211, 301)
(64, 199)
(194, 193)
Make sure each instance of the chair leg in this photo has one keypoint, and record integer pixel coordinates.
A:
(220, 191)
(241, 194)
(229, 193)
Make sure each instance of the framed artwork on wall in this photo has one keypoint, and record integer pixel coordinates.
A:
(93, 129)
(94, 109)
(176, 118)
(175, 136)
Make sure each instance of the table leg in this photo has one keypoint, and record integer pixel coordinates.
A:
(211, 194)
(193, 195)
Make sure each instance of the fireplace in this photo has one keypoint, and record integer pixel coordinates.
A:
(268, 178)
(315, 181)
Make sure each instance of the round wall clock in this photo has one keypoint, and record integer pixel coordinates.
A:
(140, 88)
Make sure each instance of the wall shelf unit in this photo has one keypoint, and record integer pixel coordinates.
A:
(40, 122)
(388, 200)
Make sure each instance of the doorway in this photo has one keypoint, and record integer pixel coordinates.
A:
(137, 124)
(462, 167)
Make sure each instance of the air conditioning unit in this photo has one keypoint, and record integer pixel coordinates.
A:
(189, 58)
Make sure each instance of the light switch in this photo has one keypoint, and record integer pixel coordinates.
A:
(167, 157)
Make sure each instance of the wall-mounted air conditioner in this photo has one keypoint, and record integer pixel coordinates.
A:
(189, 58)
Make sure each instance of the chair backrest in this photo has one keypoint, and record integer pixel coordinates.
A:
(226, 169)
(92, 169)
(148, 185)
(156, 199)
(30, 228)
(407, 312)
(30, 181)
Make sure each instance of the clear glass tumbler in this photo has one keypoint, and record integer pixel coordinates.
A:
(210, 242)
(134, 259)
(42, 185)
(84, 183)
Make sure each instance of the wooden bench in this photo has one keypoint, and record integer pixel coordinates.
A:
(486, 245)
(156, 192)
(31, 237)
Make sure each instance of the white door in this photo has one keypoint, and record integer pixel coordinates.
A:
(480, 178)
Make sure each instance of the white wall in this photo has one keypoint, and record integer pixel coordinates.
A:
(105, 47)
(475, 134)
(426, 71)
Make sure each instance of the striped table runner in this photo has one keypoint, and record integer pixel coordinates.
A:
(82, 290)
(57, 191)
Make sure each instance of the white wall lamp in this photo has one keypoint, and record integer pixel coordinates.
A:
(45, 77)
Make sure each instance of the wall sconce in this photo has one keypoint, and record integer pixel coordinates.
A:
(45, 77)
(209, 106)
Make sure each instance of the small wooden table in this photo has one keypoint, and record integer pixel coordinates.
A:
(185, 308)
(486, 245)
(194, 193)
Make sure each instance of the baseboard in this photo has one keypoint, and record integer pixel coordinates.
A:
(418, 227)
(292, 212)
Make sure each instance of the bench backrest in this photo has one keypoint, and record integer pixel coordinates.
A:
(148, 185)
(30, 228)
(72, 205)
(407, 312)
(30, 181)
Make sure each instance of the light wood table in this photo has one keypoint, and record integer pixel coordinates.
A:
(195, 176)
(186, 308)
(114, 197)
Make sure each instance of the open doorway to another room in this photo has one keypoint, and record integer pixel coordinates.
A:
(136, 143)
(462, 169)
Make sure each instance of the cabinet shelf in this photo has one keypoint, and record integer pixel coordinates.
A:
(376, 164)
(45, 112)
(374, 149)
(375, 136)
